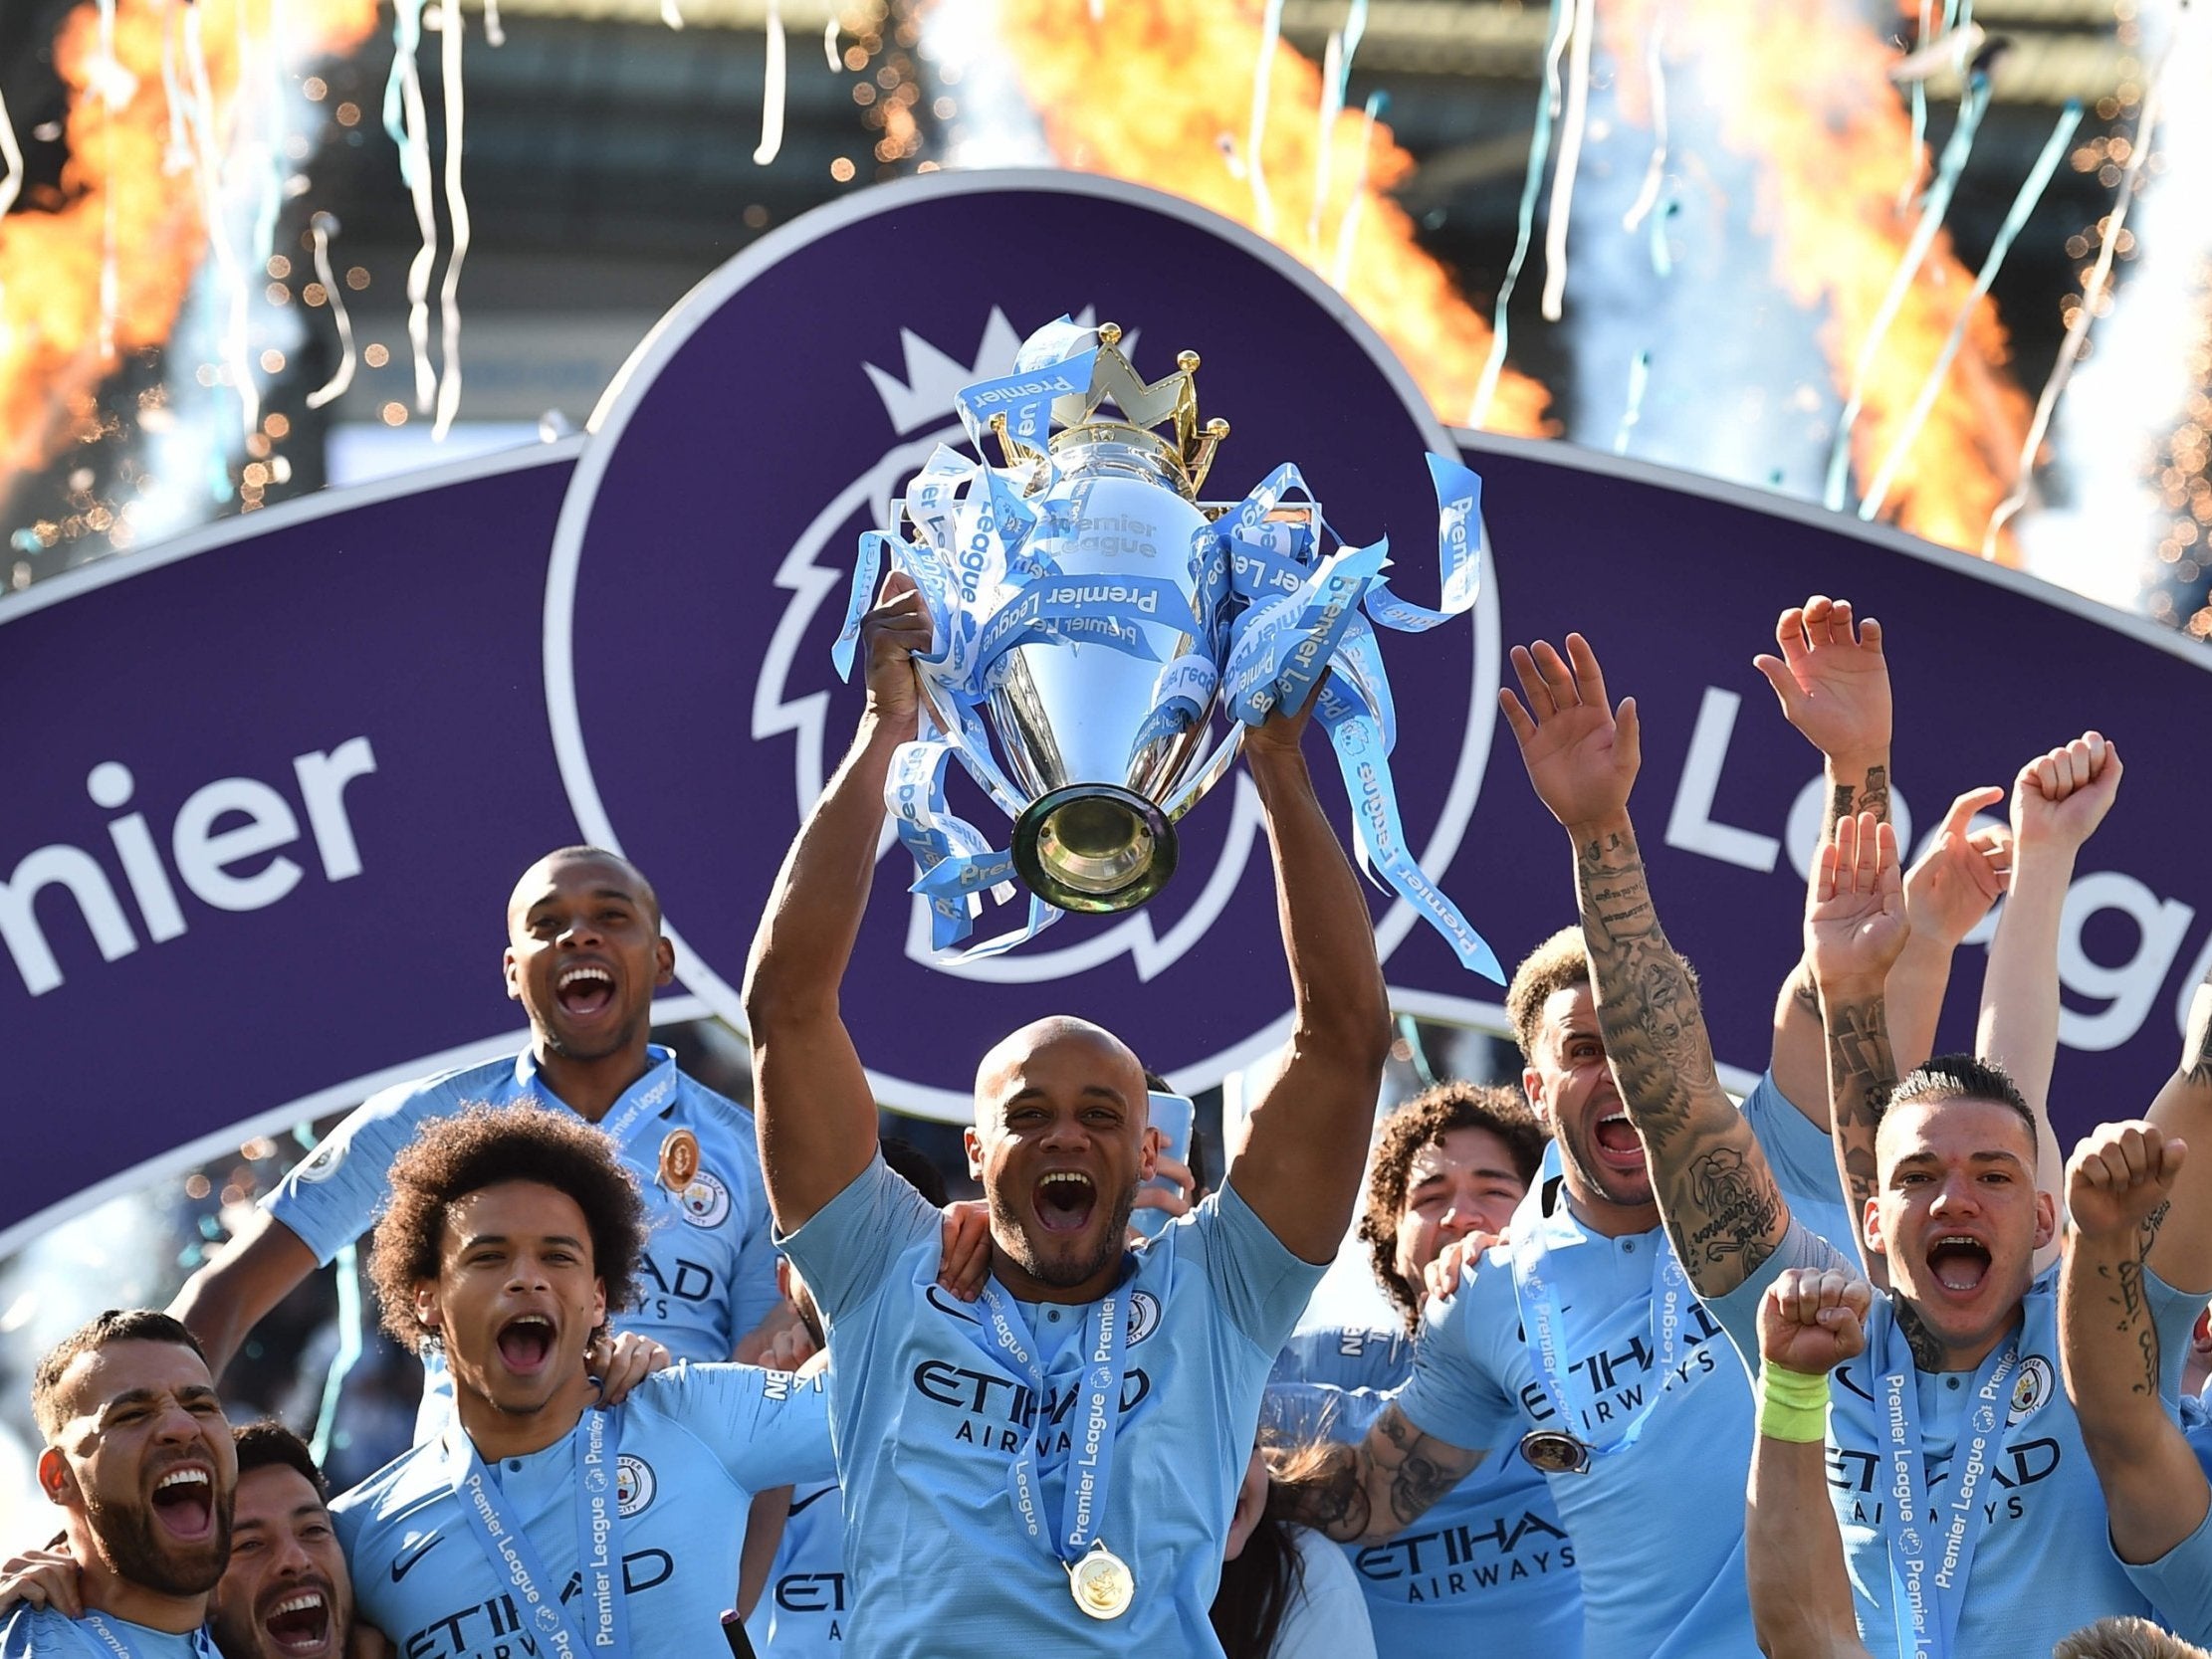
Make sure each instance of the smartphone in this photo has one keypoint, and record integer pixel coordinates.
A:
(1173, 1117)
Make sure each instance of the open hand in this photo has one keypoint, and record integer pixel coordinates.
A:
(43, 1578)
(2061, 797)
(1855, 921)
(1831, 680)
(2120, 1175)
(1812, 1320)
(1961, 875)
(1175, 1202)
(1581, 757)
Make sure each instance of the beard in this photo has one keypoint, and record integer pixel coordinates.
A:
(1008, 1230)
(140, 1556)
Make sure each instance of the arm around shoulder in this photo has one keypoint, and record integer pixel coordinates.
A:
(227, 1298)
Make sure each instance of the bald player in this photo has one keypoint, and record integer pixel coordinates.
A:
(585, 955)
(1052, 1468)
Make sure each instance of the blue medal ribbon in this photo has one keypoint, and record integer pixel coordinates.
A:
(1542, 1318)
(1927, 1585)
(102, 1637)
(605, 1622)
(641, 1105)
(1094, 1369)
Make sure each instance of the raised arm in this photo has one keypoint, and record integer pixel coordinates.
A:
(228, 1297)
(1948, 892)
(815, 1111)
(2120, 1190)
(1854, 930)
(1305, 1139)
(1372, 1490)
(2058, 801)
(1793, 1551)
(2182, 1257)
(1833, 683)
(1714, 1190)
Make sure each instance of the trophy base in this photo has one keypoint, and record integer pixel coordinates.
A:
(1094, 848)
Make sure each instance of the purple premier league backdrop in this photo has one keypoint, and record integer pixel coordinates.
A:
(265, 790)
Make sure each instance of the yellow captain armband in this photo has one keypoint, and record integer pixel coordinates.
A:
(1792, 1405)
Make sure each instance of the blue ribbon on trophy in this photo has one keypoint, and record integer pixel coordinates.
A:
(1088, 617)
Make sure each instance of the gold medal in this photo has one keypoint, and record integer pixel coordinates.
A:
(679, 1161)
(1550, 1452)
(1101, 1582)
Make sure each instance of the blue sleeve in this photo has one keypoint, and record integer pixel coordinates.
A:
(753, 1293)
(1738, 1311)
(765, 1428)
(331, 1198)
(1453, 1394)
(2179, 1584)
(1263, 1287)
(1302, 1411)
(1803, 1157)
(846, 1248)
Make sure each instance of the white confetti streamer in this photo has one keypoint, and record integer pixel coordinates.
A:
(2031, 192)
(670, 14)
(1347, 229)
(325, 226)
(451, 35)
(11, 160)
(829, 46)
(108, 101)
(1270, 31)
(1569, 156)
(2093, 297)
(207, 171)
(1539, 150)
(177, 155)
(1332, 103)
(771, 90)
(414, 171)
(1654, 175)
(494, 32)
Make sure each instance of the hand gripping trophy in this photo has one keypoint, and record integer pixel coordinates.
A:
(1089, 616)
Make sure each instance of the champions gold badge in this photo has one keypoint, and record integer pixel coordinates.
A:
(1101, 1582)
(679, 1161)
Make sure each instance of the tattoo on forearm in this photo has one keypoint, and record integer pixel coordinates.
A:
(1874, 792)
(1422, 1469)
(1839, 808)
(1804, 991)
(1860, 1072)
(1741, 1208)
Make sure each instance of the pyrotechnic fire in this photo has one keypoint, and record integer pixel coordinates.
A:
(1160, 92)
(119, 131)
(1806, 92)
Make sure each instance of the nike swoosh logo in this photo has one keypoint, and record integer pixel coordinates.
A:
(945, 1302)
(405, 1563)
(800, 1504)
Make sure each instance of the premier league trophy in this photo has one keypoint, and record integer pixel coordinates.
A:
(1091, 615)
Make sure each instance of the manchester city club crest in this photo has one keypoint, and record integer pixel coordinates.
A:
(705, 1202)
(1144, 1316)
(709, 535)
(2029, 1390)
(633, 1484)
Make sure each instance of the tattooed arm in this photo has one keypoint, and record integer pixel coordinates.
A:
(2058, 801)
(1714, 1190)
(2182, 1255)
(1372, 1490)
(2120, 1186)
(1855, 930)
(1833, 683)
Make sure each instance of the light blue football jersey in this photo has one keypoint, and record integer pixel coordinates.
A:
(927, 1424)
(708, 1276)
(804, 1610)
(2178, 1584)
(41, 1632)
(1658, 1529)
(695, 1443)
(1802, 1155)
(2044, 1565)
(1489, 1569)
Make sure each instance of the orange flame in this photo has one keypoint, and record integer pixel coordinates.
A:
(1145, 93)
(51, 361)
(1818, 113)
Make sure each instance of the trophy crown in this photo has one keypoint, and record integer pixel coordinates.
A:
(1171, 401)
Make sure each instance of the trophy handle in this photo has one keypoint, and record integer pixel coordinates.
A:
(1208, 773)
